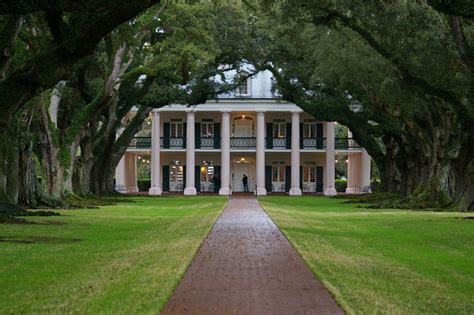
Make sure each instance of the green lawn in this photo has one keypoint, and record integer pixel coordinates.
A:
(125, 258)
(382, 261)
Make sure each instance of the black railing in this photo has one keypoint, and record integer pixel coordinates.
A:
(243, 142)
(346, 144)
(140, 143)
(313, 143)
(209, 142)
(279, 143)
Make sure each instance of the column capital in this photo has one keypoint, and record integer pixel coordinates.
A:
(190, 111)
(296, 112)
(226, 111)
(261, 112)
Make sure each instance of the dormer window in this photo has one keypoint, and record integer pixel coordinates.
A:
(244, 88)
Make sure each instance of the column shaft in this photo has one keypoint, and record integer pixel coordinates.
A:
(295, 189)
(190, 155)
(365, 171)
(330, 186)
(120, 175)
(260, 163)
(155, 188)
(225, 155)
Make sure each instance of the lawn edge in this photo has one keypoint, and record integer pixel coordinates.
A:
(329, 287)
(194, 255)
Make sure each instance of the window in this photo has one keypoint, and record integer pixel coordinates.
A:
(244, 88)
(279, 129)
(207, 129)
(176, 129)
(309, 130)
(278, 171)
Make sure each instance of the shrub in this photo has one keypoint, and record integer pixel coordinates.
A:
(144, 184)
(341, 185)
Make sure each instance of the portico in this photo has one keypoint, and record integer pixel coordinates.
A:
(276, 144)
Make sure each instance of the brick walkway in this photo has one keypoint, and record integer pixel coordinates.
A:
(246, 266)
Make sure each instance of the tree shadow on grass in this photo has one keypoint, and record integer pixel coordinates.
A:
(39, 240)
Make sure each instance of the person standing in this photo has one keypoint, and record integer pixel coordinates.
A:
(217, 183)
(245, 182)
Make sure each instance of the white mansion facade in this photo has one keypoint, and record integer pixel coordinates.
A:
(276, 144)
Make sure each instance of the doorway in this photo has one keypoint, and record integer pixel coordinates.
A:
(240, 167)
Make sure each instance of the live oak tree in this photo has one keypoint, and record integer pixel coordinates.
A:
(404, 67)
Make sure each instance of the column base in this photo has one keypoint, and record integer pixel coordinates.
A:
(352, 191)
(295, 192)
(261, 192)
(122, 189)
(330, 192)
(225, 191)
(190, 191)
(134, 190)
(155, 191)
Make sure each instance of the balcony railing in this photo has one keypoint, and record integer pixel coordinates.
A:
(313, 143)
(176, 142)
(346, 144)
(243, 142)
(140, 143)
(279, 143)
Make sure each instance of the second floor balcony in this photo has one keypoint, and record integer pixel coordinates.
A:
(244, 143)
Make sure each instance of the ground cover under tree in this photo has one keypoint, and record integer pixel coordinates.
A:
(382, 260)
(120, 259)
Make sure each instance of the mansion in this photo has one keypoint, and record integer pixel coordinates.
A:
(279, 147)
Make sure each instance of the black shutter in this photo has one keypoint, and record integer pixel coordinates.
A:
(166, 135)
(288, 136)
(166, 178)
(197, 135)
(269, 136)
(319, 178)
(301, 177)
(268, 178)
(185, 133)
(197, 177)
(184, 177)
(287, 178)
(217, 135)
(319, 136)
(301, 136)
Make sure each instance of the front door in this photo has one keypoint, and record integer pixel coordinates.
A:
(239, 170)
(176, 176)
(278, 177)
(207, 174)
(309, 178)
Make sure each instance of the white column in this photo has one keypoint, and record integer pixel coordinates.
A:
(155, 188)
(190, 152)
(330, 186)
(260, 163)
(365, 171)
(225, 155)
(120, 175)
(353, 169)
(120, 185)
(295, 189)
(131, 170)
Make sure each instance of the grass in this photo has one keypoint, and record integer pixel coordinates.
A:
(382, 260)
(120, 259)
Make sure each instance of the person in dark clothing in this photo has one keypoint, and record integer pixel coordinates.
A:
(217, 183)
(245, 182)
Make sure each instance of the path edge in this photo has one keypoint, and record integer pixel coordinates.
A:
(194, 255)
(340, 302)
